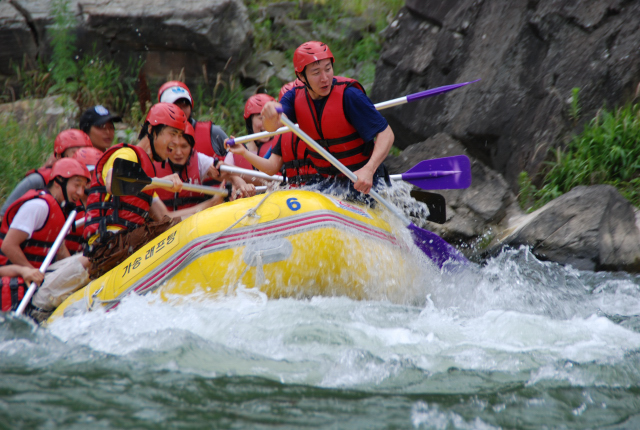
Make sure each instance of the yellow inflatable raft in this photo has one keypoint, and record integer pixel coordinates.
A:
(290, 243)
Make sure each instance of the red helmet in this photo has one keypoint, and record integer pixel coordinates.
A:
(167, 114)
(88, 156)
(310, 52)
(289, 86)
(68, 168)
(72, 138)
(255, 104)
(172, 91)
(190, 134)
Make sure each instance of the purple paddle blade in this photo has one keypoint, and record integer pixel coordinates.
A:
(435, 247)
(441, 173)
(436, 91)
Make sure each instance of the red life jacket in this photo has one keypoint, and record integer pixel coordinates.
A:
(75, 240)
(205, 146)
(203, 139)
(240, 161)
(11, 293)
(43, 171)
(190, 174)
(332, 130)
(128, 212)
(296, 163)
(37, 247)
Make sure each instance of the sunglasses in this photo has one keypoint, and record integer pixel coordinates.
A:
(106, 126)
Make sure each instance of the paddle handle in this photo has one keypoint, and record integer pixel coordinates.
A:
(341, 167)
(211, 191)
(379, 106)
(47, 261)
(256, 136)
(252, 173)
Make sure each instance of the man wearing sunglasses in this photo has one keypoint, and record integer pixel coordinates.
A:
(97, 122)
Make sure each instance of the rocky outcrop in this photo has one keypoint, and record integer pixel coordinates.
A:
(472, 211)
(529, 54)
(16, 38)
(201, 37)
(591, 228)
(47, 114)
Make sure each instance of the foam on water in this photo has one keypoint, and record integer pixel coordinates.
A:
(529, 318)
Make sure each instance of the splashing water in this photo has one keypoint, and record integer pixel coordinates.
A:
(513, 343)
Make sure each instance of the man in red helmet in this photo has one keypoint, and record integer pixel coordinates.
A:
(32, 223)
(115, 227)
(335, 112)
(253, 121)
(288, 155)
(208, 137)
(66, 144)
(194, 168)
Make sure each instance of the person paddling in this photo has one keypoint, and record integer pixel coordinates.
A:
(117, 226)
(336, 112)
(67, 142)
(194, 168)
(209, 138)
(289, 154)
(32, 223)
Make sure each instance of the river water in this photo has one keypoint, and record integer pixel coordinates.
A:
(512, 343)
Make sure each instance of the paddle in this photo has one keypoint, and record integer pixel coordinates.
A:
(446, 173)
(26, 299)
(438, 174)
(432, 245)
(379, 106)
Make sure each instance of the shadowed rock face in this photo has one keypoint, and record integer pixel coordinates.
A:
(471, 211)
(591, 228)
(199, 36)
(529, 54)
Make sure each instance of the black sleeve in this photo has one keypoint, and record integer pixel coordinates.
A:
(218, 137)
(277, 148)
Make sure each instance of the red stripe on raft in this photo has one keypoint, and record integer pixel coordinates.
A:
(241, 236)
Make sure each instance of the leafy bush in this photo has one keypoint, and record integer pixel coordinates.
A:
(606, 152)
(25, 146)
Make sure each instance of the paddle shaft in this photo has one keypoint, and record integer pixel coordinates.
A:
(252, 173)
(341, 167)
(278, 178)
(47, 261)
(379, 106)
(211, 191)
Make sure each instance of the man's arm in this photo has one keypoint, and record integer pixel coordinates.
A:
(384, 141)
(270, 166)
(29, 274)
(11, 247)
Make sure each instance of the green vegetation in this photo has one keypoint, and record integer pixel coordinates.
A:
(350, 27)
(334, 22)
(606, 152)
(25, 146)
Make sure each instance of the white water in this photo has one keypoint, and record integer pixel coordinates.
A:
(514, 343)
(516, 314)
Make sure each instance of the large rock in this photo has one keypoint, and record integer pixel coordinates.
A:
(16, 38)
(529, 54)
(469, 211)
(47, 114)
(591, 228)
(203, 37)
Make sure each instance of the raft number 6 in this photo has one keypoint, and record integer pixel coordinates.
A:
(293, 204)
